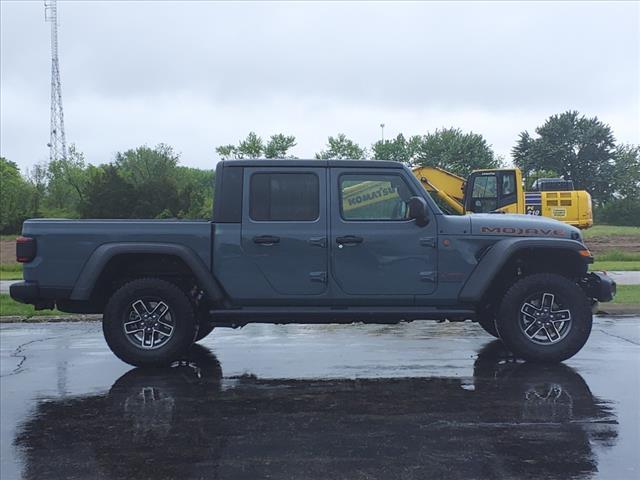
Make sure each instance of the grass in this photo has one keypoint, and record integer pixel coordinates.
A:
(10, 238)
(619, 256)
(611, 231)
(8, 306)
(10, 271)
(615, 266)
(617, 260)
(628, 294)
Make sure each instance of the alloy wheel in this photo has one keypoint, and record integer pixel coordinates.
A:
(544, 320)
(149, 323)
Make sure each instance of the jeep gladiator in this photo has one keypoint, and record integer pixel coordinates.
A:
(315, 241)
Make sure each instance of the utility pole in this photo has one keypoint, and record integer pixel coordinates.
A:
(57, 141)
(382, 132)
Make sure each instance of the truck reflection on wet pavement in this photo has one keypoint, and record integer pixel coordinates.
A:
(513, 420)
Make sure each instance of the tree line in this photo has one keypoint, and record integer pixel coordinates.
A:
(149, 182)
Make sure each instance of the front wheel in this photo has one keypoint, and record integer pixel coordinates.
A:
(149, 322)
(544, 318)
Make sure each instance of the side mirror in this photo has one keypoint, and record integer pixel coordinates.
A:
(418, 211)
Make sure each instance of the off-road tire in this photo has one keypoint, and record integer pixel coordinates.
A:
(117, 313)
(567, 294)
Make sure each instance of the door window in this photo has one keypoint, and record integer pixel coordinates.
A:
(373, 197)
(484, 195)
(293, 197)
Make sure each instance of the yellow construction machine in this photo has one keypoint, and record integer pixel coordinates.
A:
(501, 190)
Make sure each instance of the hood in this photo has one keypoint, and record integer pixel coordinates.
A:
(521, 226)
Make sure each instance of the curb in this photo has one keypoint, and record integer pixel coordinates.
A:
(619, 309)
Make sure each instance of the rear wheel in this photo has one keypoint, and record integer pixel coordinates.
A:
(149, 322)
(544, 318)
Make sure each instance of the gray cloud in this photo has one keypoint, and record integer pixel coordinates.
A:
(199, 74)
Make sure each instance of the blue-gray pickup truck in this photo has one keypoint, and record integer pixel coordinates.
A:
(311, 241)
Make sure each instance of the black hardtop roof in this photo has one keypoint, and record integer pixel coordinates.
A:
(299, 162)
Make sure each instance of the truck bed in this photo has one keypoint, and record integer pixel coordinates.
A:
(64, 246)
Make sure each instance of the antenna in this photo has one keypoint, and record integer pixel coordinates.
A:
(57, 141)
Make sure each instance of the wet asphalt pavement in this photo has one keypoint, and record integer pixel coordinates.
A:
(420, 400)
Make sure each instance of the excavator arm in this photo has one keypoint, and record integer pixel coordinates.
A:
(445, 185)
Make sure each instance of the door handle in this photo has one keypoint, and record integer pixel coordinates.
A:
(318, 241)
(349, 240)
(266, 240)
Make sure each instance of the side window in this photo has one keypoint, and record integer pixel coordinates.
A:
(293, 197)
(508, 183)
(373, 197)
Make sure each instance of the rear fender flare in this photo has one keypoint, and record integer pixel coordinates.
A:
(101, 256)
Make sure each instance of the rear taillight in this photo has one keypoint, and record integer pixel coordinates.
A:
(25, 249)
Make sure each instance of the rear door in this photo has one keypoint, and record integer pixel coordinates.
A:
(284, 228)
(375, 249)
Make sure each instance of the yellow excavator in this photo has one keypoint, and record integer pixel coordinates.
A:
(500, 190)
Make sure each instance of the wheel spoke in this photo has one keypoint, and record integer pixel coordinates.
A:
(547, 300)
(164, 329)
(555, 329)
(140, 308)
(132, 326)
(147, 338)
(535, 333)
(561, 316)
(160, 309)
(529, 310)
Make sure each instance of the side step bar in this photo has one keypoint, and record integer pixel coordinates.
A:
(336, 314)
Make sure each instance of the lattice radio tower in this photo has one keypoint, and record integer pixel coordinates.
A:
(57, 141)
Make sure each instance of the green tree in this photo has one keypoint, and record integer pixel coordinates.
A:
(195, 192)
(398, 149)
(279, 145)
(66, 183)
(340, 147)
(147, 183)
(455, 151)
(227, 152)
(254, 147)
(108, 194)
(151, 174)
(626, 175)
(37, 180)
(576, 147)
(251, 147)
(15, 197)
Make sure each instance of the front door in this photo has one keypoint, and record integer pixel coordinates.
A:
(284, 228)
(376, 249)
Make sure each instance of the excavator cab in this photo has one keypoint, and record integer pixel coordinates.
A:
(498, 191)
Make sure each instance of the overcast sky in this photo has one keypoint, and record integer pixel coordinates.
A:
(200, 74)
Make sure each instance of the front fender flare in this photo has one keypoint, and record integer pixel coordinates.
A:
(100, 257)
(499, 254)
